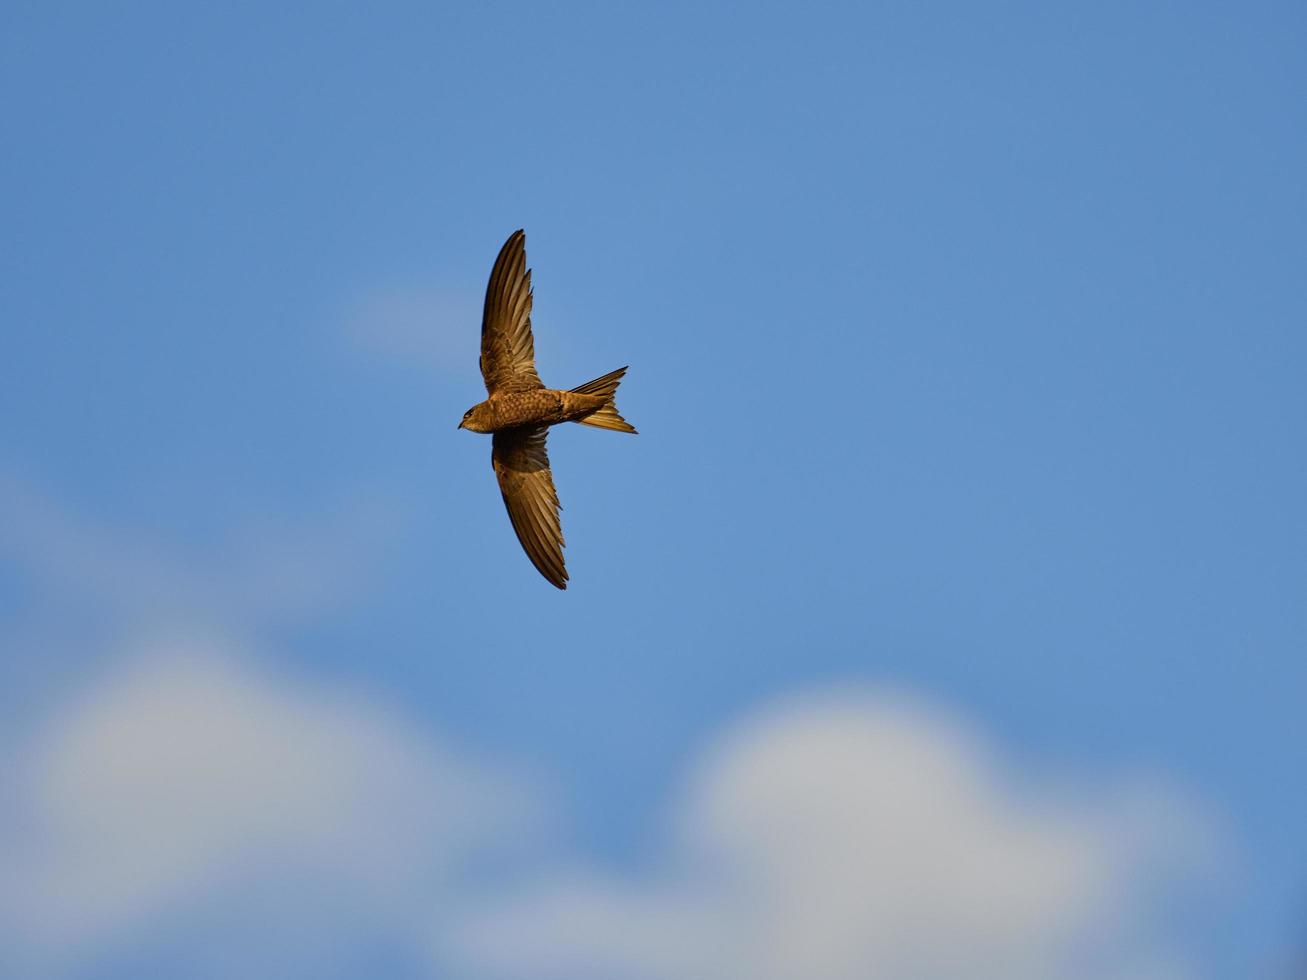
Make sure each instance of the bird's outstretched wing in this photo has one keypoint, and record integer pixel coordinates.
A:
(522, 467)
(508, 357)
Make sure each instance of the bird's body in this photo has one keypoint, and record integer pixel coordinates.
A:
(544, 406)
(520, 410)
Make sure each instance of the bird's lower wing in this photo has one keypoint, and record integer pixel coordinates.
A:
(522, 468)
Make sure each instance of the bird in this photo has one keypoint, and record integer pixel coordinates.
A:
(519, 410)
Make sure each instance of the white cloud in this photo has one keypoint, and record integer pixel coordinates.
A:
(860, 837)
(838, 838)
(188, 775)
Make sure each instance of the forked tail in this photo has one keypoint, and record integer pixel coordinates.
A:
(607, 416)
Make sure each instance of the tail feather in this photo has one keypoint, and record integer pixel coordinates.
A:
(607, 416)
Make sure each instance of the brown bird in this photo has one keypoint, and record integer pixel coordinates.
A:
(521, 409)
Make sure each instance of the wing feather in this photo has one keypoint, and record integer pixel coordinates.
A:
(522, 468)
(507, 346)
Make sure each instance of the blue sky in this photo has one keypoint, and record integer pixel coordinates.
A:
(966, 345)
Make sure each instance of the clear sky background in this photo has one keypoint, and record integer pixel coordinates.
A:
(945, 619)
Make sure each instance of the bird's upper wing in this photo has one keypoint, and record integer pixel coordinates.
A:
(522, 466)
(507, 350)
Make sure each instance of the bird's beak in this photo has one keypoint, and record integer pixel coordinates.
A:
(460, 425)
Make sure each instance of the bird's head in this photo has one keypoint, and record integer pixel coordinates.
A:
(475, 419)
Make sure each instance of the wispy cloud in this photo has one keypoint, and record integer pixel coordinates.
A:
(293, 567)
(426, 326)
